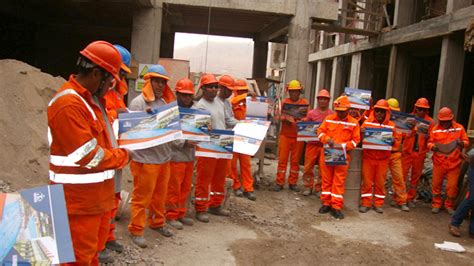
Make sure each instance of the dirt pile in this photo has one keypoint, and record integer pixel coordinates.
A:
(24, 95)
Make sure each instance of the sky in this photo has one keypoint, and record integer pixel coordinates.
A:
(226, 55)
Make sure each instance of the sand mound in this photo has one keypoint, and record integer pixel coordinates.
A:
(24, 95)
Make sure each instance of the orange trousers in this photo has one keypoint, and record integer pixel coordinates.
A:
(88, 234)
(210, 182)
(287, 146)
(415, 162)
(439, 173)
(374, 174)
(111, 235)
(311, 157)
(150, 184)
(245, 172)
(398, 182)
(179, 187)
(332, 186)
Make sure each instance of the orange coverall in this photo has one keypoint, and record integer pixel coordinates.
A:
(113, 101)
(413, 157)
(395, 166)
(374, 166)
(446, 165)
(345, 131)
(210, 171)
(83, 160)
(287, 145)
(179, 187)
(240, 110)
(313, 151)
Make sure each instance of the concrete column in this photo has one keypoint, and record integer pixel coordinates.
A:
(146, 33)
(356, 62)
(448, 89)
(362, 69)
(397, 80)
(453, 5)
(336, 87)
(260, 55)
(403, 14)
(298, 46)
(167, 45)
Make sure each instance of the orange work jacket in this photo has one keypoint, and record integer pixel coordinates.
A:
(290, 129)
(81, 153)
(371, 122)
(409, 140)
(444, 136)
(345, 131)
(113, 101)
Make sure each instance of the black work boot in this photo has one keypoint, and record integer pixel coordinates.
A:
(294, 188)
(277, 188)
(324, 209)
(250, 195)
(114, 245)
(219, 211)
(337, 214)
(202, 217)
(105, 257)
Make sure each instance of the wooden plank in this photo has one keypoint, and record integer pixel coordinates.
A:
(333, 28)
(435, 27)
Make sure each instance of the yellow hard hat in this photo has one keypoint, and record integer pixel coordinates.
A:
(294, 85)
(393, 103)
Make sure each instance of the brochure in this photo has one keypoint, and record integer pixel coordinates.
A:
(34, 228)
(404, 122)
(298, 111)
(335, 155)
(249, 135)
(422, 126)
(220, 146)
(359, 99)
(377, 139)
(257, 108)
(307, 131)
(194, 124)
(141, 130)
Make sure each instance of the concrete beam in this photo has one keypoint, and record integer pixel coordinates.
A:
(275, 29)
(435, 27)
(397, 80)
(450, 75)
(321, 9)
(213, 31)
(453, 5)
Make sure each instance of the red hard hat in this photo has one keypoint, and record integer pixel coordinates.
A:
(185, 86)
(105, 55)
(445, 114)
(382, 104)
(227, 81)
(207, 79)
(324, 93)
(241, 85)
(422, 103)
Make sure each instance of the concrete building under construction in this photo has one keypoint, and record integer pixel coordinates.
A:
(395, 48)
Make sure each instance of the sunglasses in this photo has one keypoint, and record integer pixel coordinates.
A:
(377, 110)
(212, 86)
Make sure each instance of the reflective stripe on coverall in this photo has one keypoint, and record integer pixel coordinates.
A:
(346, 131)
(446, 165)
(210, 182)
(289, 148)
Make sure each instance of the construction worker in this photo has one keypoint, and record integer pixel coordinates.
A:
(82, 157)
(226, 87)
(288, 147)
(314, 148)
(467, 204)
(375, 162)
(150, 167)
(211, 172)
(239, 109)
(182, 166)
(114, 105)
(414, 151)
(399, 199)
(446, 160)
(338, 128)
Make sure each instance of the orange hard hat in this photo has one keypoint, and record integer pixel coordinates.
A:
(105, 55)
(445, 114)
(382, 104)
(342, 103)
(185, 86)
(227, 81)
(422, 103)
(241, 85)
(294, 85)
(207, 79)
(324, 93)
